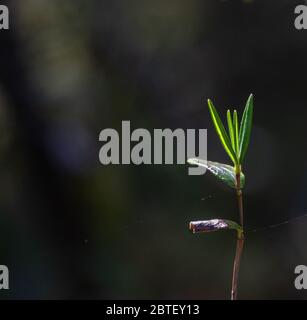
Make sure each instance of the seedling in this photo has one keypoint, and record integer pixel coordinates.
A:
(235, 144)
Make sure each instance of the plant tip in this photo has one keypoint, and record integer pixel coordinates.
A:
(192, 161)
(191, 227)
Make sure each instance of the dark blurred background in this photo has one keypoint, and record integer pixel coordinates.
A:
(72, 228)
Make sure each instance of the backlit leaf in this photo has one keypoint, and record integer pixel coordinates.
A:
(236, 131)
(222, 132)
(222, 171)
(245, 128)
(231, 131)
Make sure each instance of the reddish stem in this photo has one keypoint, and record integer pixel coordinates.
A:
(236, 267)
(240, 241)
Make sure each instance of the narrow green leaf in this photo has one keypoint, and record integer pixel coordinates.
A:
(213, 225)
(245, 128)
(236, 131)
(222, 171)
(231, 132)
(222, 132)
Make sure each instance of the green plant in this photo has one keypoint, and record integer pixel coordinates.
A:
(235, 144)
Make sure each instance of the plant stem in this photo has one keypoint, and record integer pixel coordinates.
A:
(240, 205)
(236, 267)
(240, 240)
